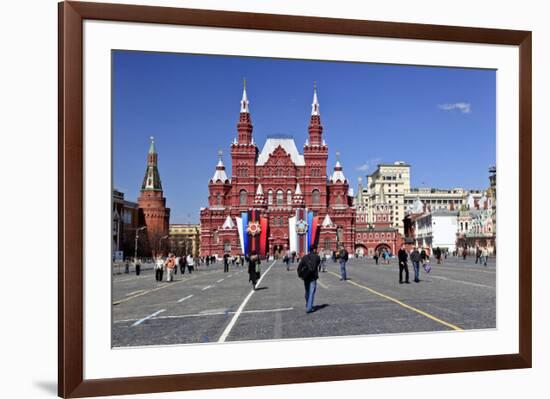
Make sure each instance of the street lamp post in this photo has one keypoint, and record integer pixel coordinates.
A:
(136, 248)
(160, 241)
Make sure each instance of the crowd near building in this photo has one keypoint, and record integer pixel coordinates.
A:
(279, 199)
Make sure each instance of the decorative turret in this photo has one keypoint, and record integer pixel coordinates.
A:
(244, 127)
(315, 128)
(259, 199)
(151, 181)
(359, 199)
(338, 174)
(152, 205)
(220, 176)
(298, 197)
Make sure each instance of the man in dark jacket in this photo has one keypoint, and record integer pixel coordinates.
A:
(308, 270)
(402, 256)
(415, 259)
(342, 259)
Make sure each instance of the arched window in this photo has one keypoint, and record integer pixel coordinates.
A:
(270, 197)
(279, 197)
(289, 197)
(243, 196)
(315, 197)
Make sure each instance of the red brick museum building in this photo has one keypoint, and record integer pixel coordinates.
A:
(277, 186)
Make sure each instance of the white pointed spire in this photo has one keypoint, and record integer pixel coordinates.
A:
(338, 174)
(315, 104)
(260, 191)
(220, 174)
(327, 221)
(228, 224)
(298, 191)
(244, 101)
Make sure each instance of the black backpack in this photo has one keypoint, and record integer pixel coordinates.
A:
(304, 270)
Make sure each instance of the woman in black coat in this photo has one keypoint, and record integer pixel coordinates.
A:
(253, 269)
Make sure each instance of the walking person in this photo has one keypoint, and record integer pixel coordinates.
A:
(170, 264)
(176, 263)
(437, 254)
(181, 264)
(484, 256)
(375, 257)
(478, 254)
(464, 253)
(402, 256)
(286, 260)
(415, 259)
(343, 257)
(308, 270)
(226, 263)
(190, 264)
(253, 269)
(159, 268)
(324, 257)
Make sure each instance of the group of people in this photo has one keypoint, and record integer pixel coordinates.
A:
(237, 260)
(171, 264)
(384, 254)
(416, 257)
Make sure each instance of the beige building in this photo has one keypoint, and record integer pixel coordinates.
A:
(395, 181)
(185, 239)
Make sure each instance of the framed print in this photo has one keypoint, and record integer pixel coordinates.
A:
(252, 199)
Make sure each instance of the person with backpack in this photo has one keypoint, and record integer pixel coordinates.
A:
(343, 257)
(253, 269)
(308, 270)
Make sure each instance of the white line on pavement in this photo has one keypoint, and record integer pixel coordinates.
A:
(220, 280)
(322, 285)
(134, 292)
(183, 299)
(229, 327)
(463, 282)
(211, 314)
(207, 287)
(148, 317)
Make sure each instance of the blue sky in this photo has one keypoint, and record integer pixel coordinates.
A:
(439, 120)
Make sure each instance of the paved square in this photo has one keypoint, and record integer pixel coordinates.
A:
(212, 306)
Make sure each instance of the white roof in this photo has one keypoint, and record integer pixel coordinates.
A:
(228, 224)
(220, 173)
(338, 174)
(287, 144)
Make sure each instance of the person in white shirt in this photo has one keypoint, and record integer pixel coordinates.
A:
(159, 267)
(190, 263)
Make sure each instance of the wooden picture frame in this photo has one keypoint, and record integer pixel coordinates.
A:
(71, 382)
